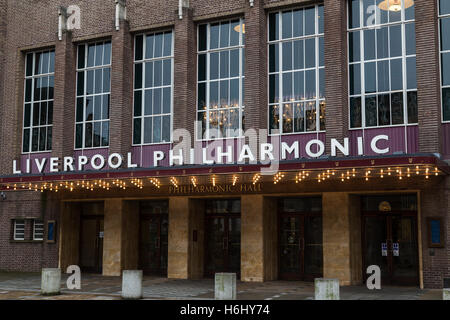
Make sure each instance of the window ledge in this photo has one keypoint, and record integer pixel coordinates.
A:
(26, 241)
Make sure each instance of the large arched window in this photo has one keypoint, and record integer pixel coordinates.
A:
(382, 63)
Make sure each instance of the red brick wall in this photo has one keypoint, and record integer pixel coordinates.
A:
(26, 255)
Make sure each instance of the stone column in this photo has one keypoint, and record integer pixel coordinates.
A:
(121, 232)
(341, 231)
(69, 234)
(428, 76)
(121, 107)
(258, 239)
(336, 65)
(178, 255)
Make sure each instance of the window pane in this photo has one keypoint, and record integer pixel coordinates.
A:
(286, 19)
(79, 136)
(167, 72)
(310, 111)
(370, 73)
(410, 35)
(214, 65)
(395, 38)
(88, 135)
(273, 26)
(137, 103)
(42, 138)
(156, 129)
(383, 110)
(396, 75)
(397, 107)
(274, 118)
(28, 89)
(297, 20)
(355, 112)
(106, 80)
(383, 76)
(287, 118)
(148, 75)
(202, 67)
(97, 107)
(214, 36)
(234, 63)
(369, 44)
(138, 76)
(29, 65)
(224, 35)
(273, 88)
(411, 73)
(355, 79)
(137, 131)
(157, 99)
(105, 133)
(166, 100)
(353, 14)
(445, 103)
(354, 46)
(138, 47)
(43, 120)
(412, 107)
(310, 15)
(201, 96)
(35, 139)
(234, 35)
(167, 44)
(310, 53)
(287, 56)
(166, 129)
(91, 55)
(202, 36)
(26, 140)
(445, 69)
(310, 84)
(157, 75)
(99, 54)
(97, 134)
(27, 115)
(287, 86)
(444, 7)
(299, 117)
(371, 111)
(105, 106)
(224, 64)
(299, 85)
(89, 114)
(79, 111)
(158, 45)
(49, 138)
(382, 43)
(107, 53)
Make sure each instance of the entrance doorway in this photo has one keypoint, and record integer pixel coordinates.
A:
(223, 236)
(91, 243)
(154, 234)
(300, 239)
(389, 238)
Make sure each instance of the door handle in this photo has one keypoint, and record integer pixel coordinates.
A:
(225, 243)
(301, 243)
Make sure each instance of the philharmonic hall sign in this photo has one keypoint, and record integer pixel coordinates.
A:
(264, 153)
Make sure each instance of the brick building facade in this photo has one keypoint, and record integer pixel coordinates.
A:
(416, 203)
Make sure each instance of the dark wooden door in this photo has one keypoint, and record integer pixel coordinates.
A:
(153, 248)
(91, 243)
(390, 242)
(300, 246)
(223, 244)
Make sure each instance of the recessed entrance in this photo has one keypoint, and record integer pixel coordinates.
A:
(222, 236)
(389, 237)
(300, 238)
(91, 237)
(154, 230)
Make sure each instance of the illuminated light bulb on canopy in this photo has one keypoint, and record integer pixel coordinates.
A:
(394, 5)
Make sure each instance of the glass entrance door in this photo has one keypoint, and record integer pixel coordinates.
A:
(390, 242)
(300, 246)
(154, 233)
(223, 236)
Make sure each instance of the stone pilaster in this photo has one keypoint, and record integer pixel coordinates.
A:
(185, 73)
(121, 107)
(178, 255)
(336, 65)
(428, 76)
(258, 239)
(341, 244)
(64, 97)
(121, 232)
(255, 100)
